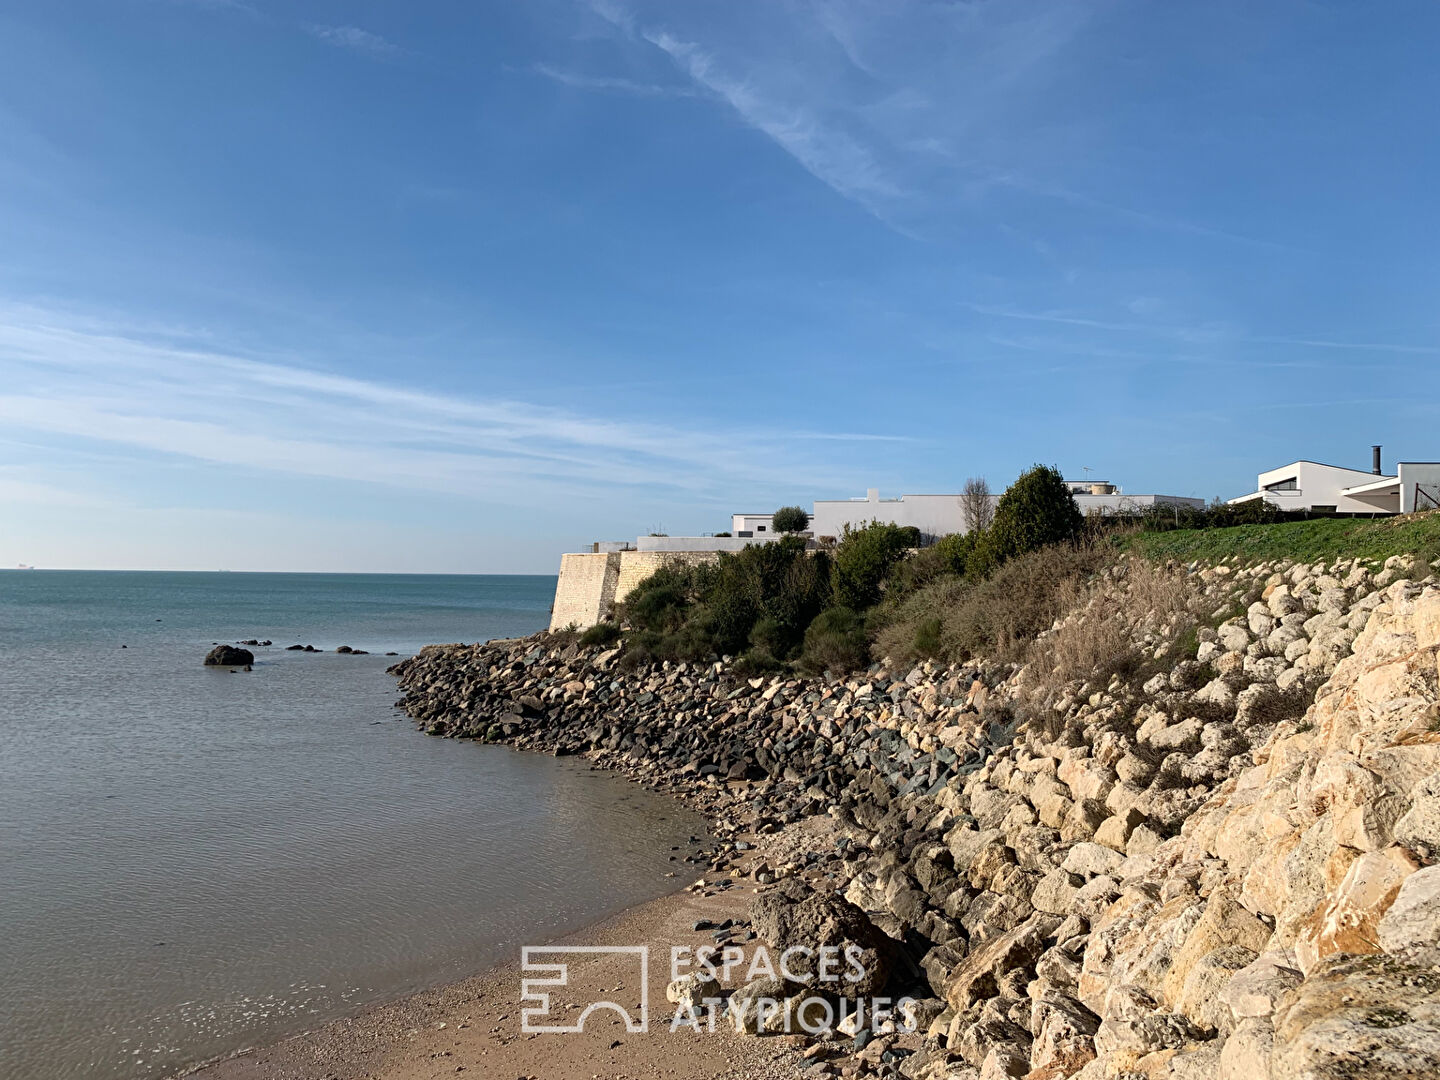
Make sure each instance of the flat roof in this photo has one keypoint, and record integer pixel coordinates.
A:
(1379, 484)
(1322, 464)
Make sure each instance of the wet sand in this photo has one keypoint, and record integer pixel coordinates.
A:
(474, 1027)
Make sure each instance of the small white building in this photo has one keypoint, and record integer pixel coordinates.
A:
(752, 525)
(1333, 489)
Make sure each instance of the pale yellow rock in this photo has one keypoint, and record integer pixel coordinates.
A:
(1115, 830)
(1350, 921)
(1425, 622)
(1359, 1016)
(1224, 923)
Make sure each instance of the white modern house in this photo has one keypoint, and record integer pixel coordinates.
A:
(940, 515)
(1333, 489)
(752, 525)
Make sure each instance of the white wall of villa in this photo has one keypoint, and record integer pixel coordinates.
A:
(1319, 488)
(933, 515)
(940, 515)
(701, 543)
(752, 524)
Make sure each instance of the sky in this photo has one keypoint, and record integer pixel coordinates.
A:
(455, 286)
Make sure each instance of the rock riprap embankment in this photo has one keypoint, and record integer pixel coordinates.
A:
(1221, 862)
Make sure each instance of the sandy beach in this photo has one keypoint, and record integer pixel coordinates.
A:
(474, 1026)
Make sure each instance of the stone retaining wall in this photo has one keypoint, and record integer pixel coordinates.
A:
(585, 591)
(591, 584)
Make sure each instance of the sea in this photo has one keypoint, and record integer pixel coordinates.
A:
(194, 860)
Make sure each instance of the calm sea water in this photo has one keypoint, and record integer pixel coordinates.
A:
(193, 861)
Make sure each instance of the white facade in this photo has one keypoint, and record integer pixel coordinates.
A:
(940, 515)
(1319, 488)
(752, 524)
(702, 543)
(933, 515)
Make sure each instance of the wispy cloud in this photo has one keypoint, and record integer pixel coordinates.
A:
(219, 5)
(354, 39)
(917, 112)
(1358, 346)
(831, 155)
(1197, 333)
(609, 84)
(827, 151)
(88, 385)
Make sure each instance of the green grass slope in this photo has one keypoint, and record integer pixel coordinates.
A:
(1374, 540)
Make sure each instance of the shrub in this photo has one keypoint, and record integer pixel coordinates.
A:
(602, 633)
(660, 602)
(997, 617)
(566, 635)
(919, 569)
(836, 641)
(757, 660)
(957, 548)
(790, 519)
(864, 557)
(1101, 639)
(684, 612)
(1035, 512)
(929, 637)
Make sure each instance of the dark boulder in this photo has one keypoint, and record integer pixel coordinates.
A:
(228, 656)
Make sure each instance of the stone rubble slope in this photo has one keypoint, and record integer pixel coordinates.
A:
(1221, 862)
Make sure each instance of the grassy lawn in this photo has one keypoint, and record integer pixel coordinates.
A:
(1326, 539)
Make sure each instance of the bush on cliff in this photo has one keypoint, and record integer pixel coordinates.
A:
(953, 619)
(836, 641)
(604, 633)
(684, 612)
(1035, 512)
(864, 557)
(661, 601)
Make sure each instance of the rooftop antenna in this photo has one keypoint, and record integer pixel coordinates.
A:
(1087, 471)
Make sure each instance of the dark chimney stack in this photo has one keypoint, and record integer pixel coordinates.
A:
(1375, 460)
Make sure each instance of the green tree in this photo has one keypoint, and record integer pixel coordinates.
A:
(790, 519)
(862, 559)
(1035, 511)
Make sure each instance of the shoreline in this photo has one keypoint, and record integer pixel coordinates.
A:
(474, 1024)
(1063, 877)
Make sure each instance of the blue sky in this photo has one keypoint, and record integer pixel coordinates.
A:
(456, 286)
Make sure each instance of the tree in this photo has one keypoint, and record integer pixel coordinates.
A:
(977, 505)
(790, 519)
(1036, 510)
(862, 559)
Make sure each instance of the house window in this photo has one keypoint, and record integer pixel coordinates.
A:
(1284, 485)
(759, 528)
(1317, 509)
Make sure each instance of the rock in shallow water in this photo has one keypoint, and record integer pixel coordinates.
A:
(228, 656)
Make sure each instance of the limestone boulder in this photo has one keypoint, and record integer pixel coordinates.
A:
(1359, 1016)
(1410, 928)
